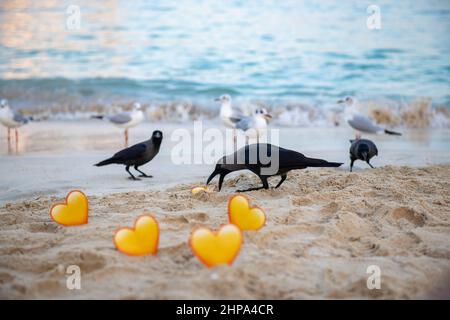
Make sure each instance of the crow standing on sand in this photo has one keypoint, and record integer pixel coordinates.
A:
(137, 155)
(362, 149)
(287, 160)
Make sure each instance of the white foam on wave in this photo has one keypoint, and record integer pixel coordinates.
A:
(418, 113)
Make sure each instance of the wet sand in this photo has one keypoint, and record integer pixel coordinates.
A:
(62, 154)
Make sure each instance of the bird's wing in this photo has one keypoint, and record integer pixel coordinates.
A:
(120, 118)
(290, 159)
(245, 123)
(134, 152)
(236, 114)
(17, 117)
(364, 124)
(373, 149)
(235, 119)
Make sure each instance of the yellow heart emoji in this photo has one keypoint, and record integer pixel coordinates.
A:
(243, 215)
(141, 240)
(73, 212)
(216, 248)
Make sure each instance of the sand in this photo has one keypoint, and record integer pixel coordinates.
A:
(324, 228)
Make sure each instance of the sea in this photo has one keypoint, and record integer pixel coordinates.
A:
(80, 56)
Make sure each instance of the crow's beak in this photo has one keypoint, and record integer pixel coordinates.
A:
(217, 99)
(340, 101)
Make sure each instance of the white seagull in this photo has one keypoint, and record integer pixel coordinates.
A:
(11, 119)
(256, 124)
(228, 116)
(361, 122)
(126, 119)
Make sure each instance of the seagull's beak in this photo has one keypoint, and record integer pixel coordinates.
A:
(268, 116)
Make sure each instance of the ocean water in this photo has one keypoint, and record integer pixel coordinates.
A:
(194, 50)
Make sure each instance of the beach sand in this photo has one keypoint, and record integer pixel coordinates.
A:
(324, 227)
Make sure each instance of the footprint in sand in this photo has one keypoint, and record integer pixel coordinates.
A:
(42, 227)
(5, 277)
(202, 217)
(409, 214)
(86, 260)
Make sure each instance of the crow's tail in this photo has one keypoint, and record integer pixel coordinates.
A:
(311, 162)
(105, 162)
(392, 132)
(97, 117)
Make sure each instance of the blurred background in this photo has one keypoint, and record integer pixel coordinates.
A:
(194, 50)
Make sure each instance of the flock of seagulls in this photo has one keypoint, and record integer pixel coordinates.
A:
(252, 126)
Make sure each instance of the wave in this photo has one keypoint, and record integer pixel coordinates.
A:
(60, 98)
(418, 113)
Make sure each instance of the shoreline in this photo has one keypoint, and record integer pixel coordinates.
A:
(62, 154)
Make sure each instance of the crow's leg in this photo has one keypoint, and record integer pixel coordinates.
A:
(351, 164)
(369, 164)
(143, 174)
(283, 177)
(131, 175)
(264, 182)
(126, 137)
(221, 180)
(221, 177)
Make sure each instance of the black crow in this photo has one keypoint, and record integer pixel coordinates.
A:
(137, 155)
(362, 149)
(265, 160)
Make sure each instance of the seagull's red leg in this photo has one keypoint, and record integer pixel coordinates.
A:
(9, 141)
(234, 140)
(126, 137)
(17, 140)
